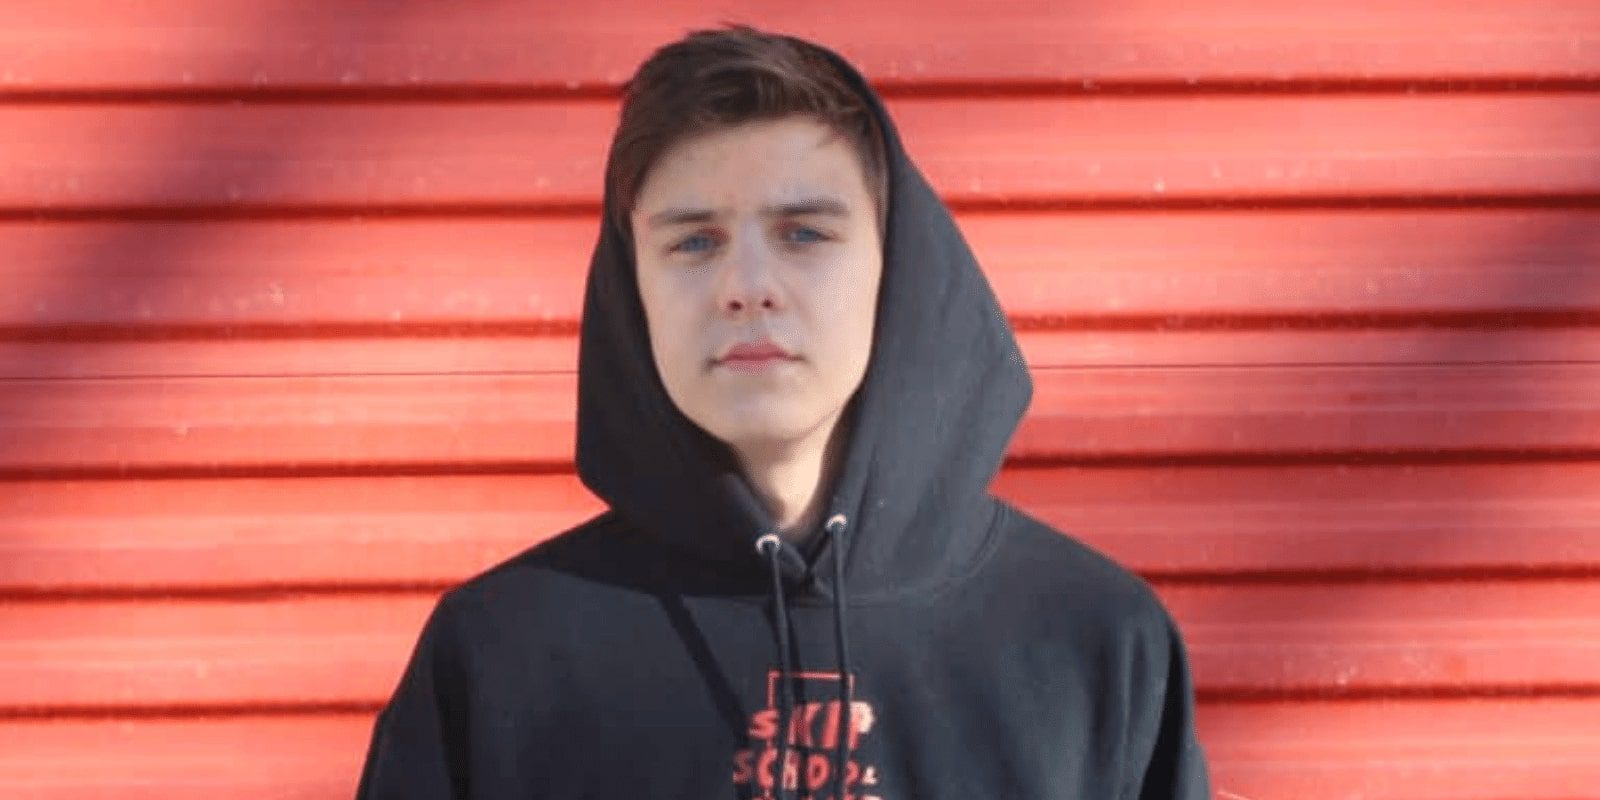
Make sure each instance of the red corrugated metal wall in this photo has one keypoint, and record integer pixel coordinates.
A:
(1311, 290)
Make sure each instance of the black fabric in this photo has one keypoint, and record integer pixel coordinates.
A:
(981, 652)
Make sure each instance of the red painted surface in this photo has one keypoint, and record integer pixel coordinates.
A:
(180, 46)
(88, 160)
(1309, 288)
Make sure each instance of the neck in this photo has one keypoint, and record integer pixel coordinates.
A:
(793, 478)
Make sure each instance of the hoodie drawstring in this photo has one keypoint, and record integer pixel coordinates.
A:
(770, 544)
(835, 529)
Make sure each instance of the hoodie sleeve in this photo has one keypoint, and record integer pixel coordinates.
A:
(418, 749)
(1170, 764)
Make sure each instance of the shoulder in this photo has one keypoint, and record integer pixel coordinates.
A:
(1064, 575)
(579, 544)
(534, 582)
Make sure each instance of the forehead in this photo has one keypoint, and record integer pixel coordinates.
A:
(754, 163)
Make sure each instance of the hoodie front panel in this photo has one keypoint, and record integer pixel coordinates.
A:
(587, 686)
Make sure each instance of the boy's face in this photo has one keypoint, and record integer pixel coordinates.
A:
(759, 232)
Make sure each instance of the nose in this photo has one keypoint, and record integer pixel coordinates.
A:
(747, 278)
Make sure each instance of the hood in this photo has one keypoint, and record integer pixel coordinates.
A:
(944, 390)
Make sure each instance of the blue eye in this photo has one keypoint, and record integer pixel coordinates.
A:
(687, 244)
(812, 231)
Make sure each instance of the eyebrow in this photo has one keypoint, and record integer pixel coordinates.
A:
(826, 206)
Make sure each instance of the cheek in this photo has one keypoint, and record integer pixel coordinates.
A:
(658, 312)
(863, 294)
(666, 323)
(847, 312)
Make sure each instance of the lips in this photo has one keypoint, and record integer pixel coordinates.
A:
(754, 351)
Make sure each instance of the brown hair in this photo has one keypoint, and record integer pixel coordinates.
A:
(718, 78)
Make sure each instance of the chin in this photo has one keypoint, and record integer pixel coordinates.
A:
(749, 430)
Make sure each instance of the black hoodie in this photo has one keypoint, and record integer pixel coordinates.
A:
(654, 651)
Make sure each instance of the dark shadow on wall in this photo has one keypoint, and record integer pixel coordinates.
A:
(111, 255)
